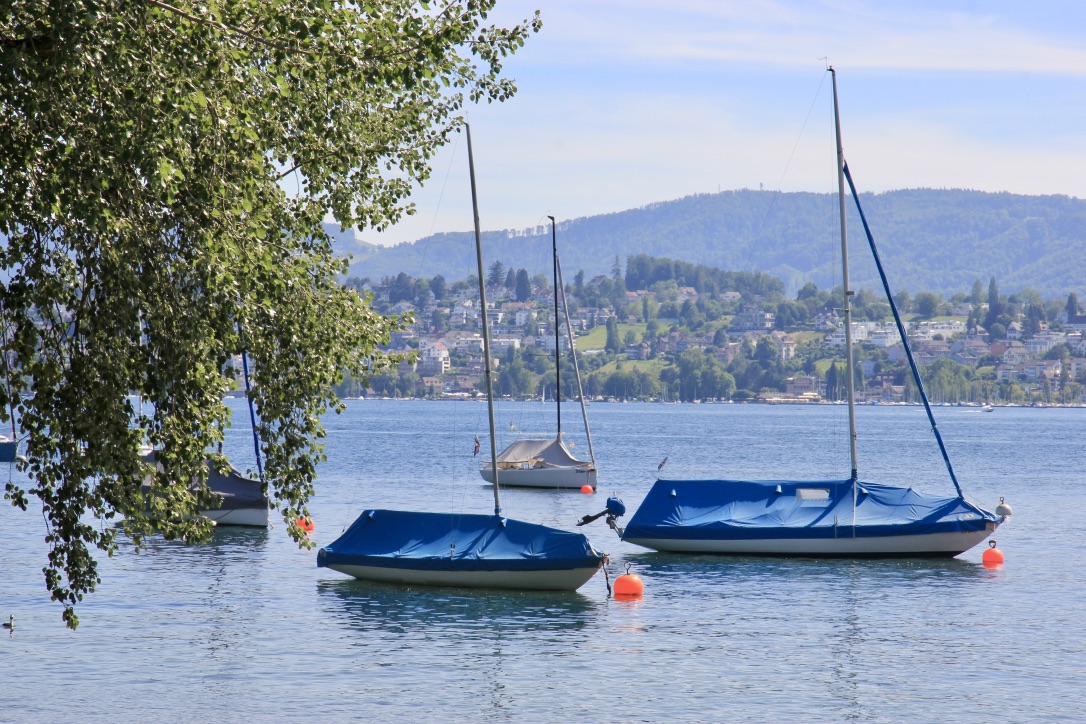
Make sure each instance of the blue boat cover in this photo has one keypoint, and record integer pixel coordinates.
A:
(9, 450)
(444, 541)
(775, 509)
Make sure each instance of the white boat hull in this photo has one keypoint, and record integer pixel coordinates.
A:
(553, 580)
(570, 478)
(252, 517)
(919, 545)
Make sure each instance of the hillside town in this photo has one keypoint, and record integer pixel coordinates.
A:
(674, 342)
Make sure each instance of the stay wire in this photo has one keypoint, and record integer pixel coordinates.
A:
(791, 156)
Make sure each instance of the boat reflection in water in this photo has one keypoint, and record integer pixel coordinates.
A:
(368, 606)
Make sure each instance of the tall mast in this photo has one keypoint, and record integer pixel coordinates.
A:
(576, 369)
(557, 362)
(486, 326)
(848, 293)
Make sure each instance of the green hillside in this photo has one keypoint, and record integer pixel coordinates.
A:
(938, 240)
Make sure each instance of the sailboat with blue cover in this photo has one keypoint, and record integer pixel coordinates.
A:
(464, 550)
(847, 518)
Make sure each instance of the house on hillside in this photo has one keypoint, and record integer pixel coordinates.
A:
(803, 385)
(785, 344)
(1075, 323)
(463, 384)
(1076, 366)
(1014, 353)
(859, 330)
(827, 321)
(883, 388)
(434, 384)
(753, 319)
(500, 345)
(1041, 343)
(546, 342)
(970, 347)
(686, 293)
(1036, 370)
(639, 351)
(464, 342)
(464, 313)
(884, 336)
(927, 352)
(433, 357)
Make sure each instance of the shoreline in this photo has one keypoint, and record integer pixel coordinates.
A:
(774, 401)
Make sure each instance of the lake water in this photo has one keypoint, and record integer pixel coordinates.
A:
(248, 629)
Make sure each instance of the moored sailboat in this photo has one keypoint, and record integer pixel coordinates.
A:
(547, 462)
(816, 518)
(237, 500)
(454, 549)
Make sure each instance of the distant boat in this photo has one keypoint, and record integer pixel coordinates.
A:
(9, 449)
(241, 500)
(455, 549)
(9, 446)
(988, 408)
(547, 462)
(827, 518)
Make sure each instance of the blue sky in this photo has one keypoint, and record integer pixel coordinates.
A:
(621, 104)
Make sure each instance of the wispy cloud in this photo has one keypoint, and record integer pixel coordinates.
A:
(893, 35)
(627, 103)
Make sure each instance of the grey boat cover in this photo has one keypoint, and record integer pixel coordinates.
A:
(538, 453)
(236, 491)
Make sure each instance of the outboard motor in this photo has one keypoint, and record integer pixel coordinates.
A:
(615, 509)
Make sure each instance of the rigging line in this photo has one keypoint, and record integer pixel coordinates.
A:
(904, 336)
(441, 196)
(791, 156)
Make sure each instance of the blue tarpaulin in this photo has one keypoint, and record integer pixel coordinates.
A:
(442, 541)
(781, 509)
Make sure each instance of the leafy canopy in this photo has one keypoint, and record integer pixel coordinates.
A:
(144, 148)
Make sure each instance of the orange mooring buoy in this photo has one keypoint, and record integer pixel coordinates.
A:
(587, 489)
(629, 585)
(993, 557)
(306, 524)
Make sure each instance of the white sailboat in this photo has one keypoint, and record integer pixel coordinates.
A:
(547, 462)
(827, 518)
(464, 550)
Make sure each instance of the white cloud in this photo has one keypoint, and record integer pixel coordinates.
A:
(866, 35)
(624, 104)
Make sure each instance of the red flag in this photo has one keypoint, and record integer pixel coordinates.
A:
(476, 452)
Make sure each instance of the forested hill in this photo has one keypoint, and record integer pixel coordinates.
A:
(938, 240)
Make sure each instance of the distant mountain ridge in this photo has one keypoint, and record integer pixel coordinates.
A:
(938, 240)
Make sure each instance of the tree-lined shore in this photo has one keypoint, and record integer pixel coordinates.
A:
(661, 329)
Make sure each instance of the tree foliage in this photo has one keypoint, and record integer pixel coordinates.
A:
(642, 271)
(146, 150)
(496, 274)
(524, 286)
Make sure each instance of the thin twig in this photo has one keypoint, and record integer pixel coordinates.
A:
(225, 27)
